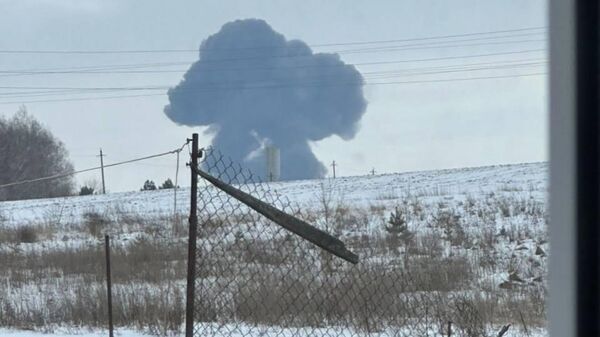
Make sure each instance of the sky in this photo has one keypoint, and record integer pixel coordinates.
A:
(417, 117)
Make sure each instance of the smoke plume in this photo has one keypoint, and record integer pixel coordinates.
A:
(253, 87)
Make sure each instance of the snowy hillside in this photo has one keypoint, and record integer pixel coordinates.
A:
(463, 245)
(530, 179)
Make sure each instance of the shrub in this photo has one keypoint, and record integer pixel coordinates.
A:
(167, 184)
(86, 190)
(27, 234)
(149, 185)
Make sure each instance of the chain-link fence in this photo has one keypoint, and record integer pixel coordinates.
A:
(254, 278)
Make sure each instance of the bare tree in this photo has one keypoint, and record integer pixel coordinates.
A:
(29, 151)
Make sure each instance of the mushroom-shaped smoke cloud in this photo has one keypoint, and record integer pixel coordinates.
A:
(254, 87)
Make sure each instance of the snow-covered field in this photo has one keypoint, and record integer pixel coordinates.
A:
(527, 179)
(489, 222)
(238, 333)
(70, 333)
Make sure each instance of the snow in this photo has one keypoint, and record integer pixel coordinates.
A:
(238, 331)
(358, 190)
(452, 190)
(74, 332)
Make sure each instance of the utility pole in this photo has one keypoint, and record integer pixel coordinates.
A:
(333, 165)
(191, 277)
(176, 187)
(102, 169)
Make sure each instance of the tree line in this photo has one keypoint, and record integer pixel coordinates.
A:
(29, 151)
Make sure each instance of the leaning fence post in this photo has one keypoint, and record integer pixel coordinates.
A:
(108, 285)
(189, 307)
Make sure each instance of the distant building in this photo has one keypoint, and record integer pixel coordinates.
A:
(273, 163)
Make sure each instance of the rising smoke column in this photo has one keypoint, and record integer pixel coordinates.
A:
(251, 86)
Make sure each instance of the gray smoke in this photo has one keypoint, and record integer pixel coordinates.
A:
(253, 87)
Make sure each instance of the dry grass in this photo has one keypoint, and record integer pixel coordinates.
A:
(249, 276)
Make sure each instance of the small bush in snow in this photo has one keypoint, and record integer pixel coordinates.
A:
(149, 185)
(27, 234)
(86, 190)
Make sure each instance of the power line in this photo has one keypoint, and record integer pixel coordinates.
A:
(387, 49)
(254, 85)
(82, 99)
(67, 174)
(142, 71)
(112, 68)
(499, 63)
(367, 75)
(50, 91)
(428, 46)
(427, 38)
(282, 86)
(406, 72)
(420, 46)
(100, 67)
(225, 85)
(148, 51)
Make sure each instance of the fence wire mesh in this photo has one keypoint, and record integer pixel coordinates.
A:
(254, 278)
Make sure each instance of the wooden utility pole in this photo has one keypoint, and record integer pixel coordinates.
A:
(333, 165)
(176, 186)
(191, 276)
(108, 286)
(102, 170)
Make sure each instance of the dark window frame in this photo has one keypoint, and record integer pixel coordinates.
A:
(574, 163)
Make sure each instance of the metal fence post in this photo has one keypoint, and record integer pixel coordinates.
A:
(108, 285)
(193, 222)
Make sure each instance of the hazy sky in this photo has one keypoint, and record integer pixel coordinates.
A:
(407, 126)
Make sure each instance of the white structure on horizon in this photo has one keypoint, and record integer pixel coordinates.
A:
(273, 163)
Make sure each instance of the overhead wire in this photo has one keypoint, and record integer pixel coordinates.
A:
(366, 75)
(284, 86)
(146, 51)
(427, 46)
(51, 91)
(16, 92)
(67, 174)
(207, 59)
(542, 30)
(225, 84)
(107, 68)
(501, 62)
